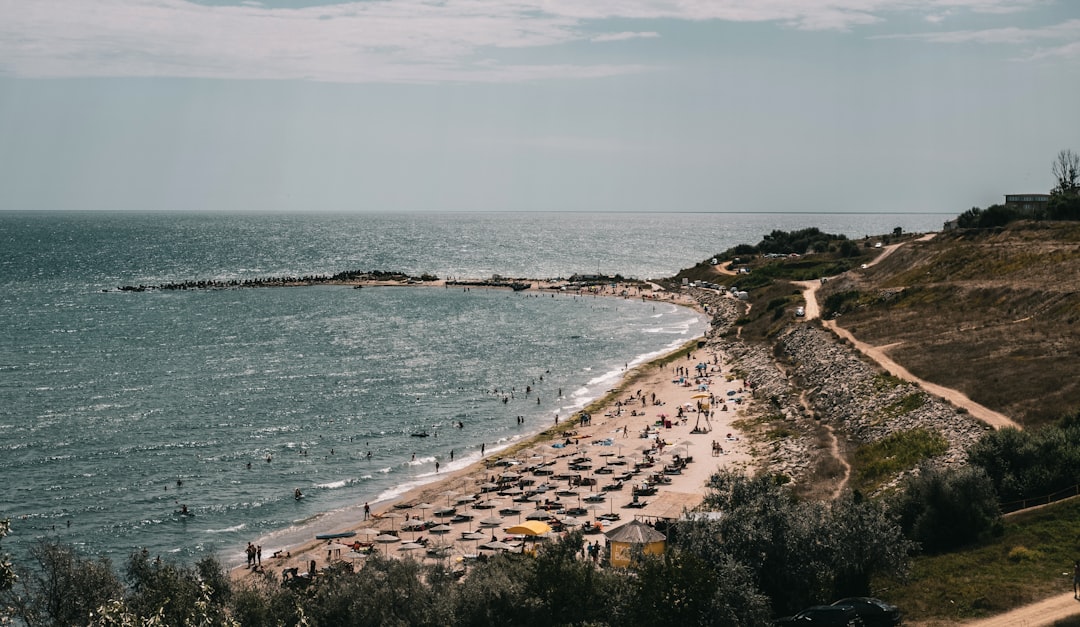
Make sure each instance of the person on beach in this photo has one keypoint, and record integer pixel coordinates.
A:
(367, 511)
(436, 466)
(1076, 579)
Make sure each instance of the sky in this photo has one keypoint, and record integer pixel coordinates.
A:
(534, 105)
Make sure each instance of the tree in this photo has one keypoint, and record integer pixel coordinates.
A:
(178, 594)
(948, 509)
(64, 588)
(799, 553)
(1066, 169)
(7, 572)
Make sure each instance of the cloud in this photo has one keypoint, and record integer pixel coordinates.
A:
(1011, 35)
(381, 40)
(1068, 51)
(624, 36)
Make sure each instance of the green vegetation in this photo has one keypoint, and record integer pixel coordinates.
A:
(1064, 203)
(777, 555)
(1028, 561)
(1031, 464)
(944, 510)
(884, 459)
(909, 403)
(841, 302)
(885, 381)
(7, 575)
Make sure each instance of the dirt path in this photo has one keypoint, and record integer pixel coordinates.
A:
(994, 419)
(877, 353)
(1040, 614)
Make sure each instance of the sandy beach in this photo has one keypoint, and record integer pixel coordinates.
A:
(645, 453)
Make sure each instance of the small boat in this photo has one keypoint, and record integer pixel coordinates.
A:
(419, 434)
(517, 287)
(332, 536)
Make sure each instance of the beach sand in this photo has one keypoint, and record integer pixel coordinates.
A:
(613, 443)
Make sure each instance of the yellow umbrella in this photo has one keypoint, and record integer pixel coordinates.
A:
(529, 528)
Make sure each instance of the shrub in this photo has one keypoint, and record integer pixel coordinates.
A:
(947, 509)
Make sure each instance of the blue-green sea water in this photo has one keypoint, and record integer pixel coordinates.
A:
(117, 408)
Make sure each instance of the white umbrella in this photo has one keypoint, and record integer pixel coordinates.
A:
(497, 546)
(387, 539)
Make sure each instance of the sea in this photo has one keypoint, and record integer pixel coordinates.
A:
(117, 409)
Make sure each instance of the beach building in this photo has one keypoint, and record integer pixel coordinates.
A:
(624, 538)
(1030, 203)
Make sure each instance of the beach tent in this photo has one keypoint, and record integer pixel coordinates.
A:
(529, 528)
(624, 538)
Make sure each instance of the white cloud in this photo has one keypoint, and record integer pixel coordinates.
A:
(380, 40)
(1068, 51)
(624, 36)
(1011, 35)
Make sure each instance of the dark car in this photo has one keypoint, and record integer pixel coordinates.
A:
(824, 616)
(873, 612)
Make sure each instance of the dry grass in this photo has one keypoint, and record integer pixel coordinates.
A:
(994, 314)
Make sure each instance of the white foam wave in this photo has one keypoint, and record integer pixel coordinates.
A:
(334, 484)
(232, 529)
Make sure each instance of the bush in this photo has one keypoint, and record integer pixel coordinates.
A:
(947, 509)
(1028, 464)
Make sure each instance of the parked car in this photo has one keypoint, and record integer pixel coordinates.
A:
(824, 616)
(873, 612)
(800, 312)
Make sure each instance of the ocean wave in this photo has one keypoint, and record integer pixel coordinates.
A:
(232, 529)
(333, 485)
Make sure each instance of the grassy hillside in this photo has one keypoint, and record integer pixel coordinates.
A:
(993, 313)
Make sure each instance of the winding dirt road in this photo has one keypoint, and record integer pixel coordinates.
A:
(995, 419)
(1039, 614)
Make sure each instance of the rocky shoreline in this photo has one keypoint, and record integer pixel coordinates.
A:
(810, 377)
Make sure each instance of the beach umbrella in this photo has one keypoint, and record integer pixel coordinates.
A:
(702, 395)
(449, 494)
(530, 528)
(473, 535)
(489, 486)
(496, 545)
(393, 518)
(367, 532)
(410, 546)
(423, 507)
(441, 529)
(387, 539)
(512, 491)
(540, 514)
(491, 521)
